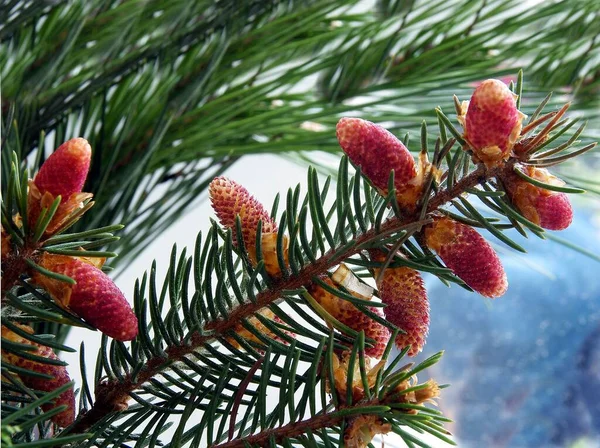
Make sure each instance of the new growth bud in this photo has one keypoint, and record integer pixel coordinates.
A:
(94, 297)
(548, 209)
(403, 291)
(377, 152)
(59, 374)
(468, 255)
(492, 122)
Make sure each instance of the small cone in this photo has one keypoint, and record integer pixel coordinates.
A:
(468, 255)
(229, 199)
(60, 374)
(492, 122)
(403, 291)
(549, 209)
(377, 152)
(65, 171)
(62, 174)
(94, 297)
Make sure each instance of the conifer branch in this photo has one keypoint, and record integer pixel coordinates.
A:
(113, 392)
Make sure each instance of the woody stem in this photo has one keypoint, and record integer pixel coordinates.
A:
(295, 429)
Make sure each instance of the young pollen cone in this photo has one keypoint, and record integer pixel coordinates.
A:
(59, 374)
(492, 122)
(403, 291)
(549, 209)
(65, 171)
(468, 255)
(377, 152)
(94, 297)
(62, 174)
(229, 200)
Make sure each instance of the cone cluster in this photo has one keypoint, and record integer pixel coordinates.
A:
(94, 296)
(492, 127)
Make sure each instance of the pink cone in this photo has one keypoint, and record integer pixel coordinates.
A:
(351, 316)
(377, 152)
(65, 171)
(549, 209)
(492, 122)
(230, 199)
(468, 255)
(94, 297)
(403, 291)
(59, 374)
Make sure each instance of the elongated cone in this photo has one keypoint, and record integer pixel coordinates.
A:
(377, 152)
(229, 200)
(94, 297)
(59, 374)
(62, 174)
(65, 171)
(492, 122)
(403, 291)
(549, 209)
(468, 255)
(351, 316)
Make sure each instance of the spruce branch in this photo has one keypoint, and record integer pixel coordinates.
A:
(337, 237)
(113, 392)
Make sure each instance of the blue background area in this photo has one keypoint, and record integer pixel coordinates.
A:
(524, 368)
